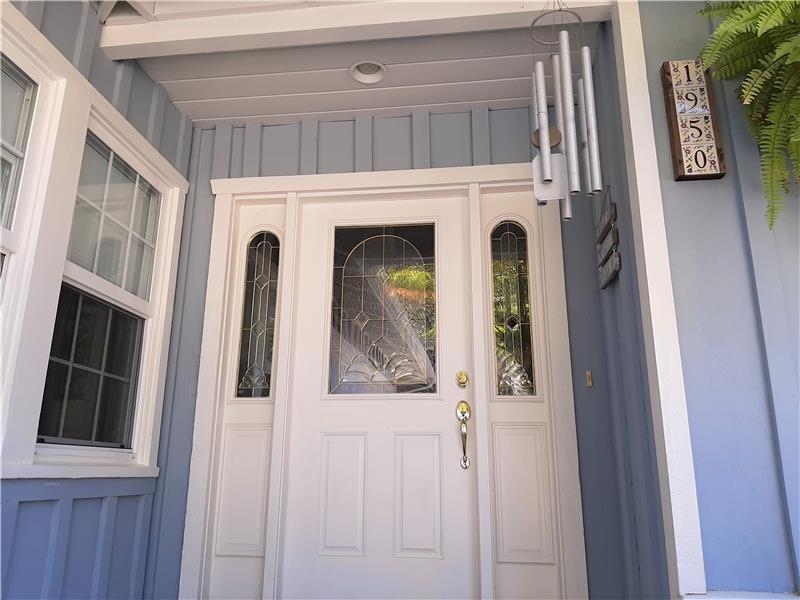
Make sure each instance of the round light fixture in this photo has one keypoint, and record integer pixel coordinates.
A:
(368, 72)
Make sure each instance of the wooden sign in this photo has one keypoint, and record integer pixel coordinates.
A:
(693, 134)
(607, 242)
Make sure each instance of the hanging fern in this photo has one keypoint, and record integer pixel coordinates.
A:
(759, 41)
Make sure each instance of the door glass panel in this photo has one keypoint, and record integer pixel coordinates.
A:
(383, 322)
(258, 316)
(512, 311)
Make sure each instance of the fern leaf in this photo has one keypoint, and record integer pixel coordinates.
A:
(742, 20)
(774, 14)
(773, 144)
(790, 49)
(758, 78)
(743, 55)
(718, 9)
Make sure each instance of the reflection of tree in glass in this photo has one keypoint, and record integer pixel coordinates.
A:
(509, 306)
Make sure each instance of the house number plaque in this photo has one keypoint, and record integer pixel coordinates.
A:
(693, 134)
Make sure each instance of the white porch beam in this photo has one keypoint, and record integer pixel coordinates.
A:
(324, 25)
(670, 416)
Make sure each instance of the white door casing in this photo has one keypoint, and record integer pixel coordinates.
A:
(238, 530)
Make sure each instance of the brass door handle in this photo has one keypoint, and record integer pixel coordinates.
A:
(463, 413)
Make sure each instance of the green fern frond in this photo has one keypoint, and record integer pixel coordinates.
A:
(758, 78)
(718, 9)
(744, 54)
(774, 14)
(773, 143)
(790, 49)
(759, 41)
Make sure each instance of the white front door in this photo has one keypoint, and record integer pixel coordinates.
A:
(327, 457)
(378, 503)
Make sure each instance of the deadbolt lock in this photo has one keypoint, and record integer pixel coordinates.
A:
(462, 379)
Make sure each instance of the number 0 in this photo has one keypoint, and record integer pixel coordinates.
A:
(698, 155)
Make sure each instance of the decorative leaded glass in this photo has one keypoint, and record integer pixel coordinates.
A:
(383, 323)
(258, 316)
(512, 311)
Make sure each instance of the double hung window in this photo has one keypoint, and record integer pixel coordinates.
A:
(90, 388)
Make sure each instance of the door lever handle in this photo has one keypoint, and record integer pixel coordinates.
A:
(463, 413)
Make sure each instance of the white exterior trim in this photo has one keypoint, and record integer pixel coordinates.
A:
(68, 105)
(659, 323)
(323, 25)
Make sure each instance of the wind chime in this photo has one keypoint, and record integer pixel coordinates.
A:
(568, 160)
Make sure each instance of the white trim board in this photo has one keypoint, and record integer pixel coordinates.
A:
(659, 323)
(324, 25)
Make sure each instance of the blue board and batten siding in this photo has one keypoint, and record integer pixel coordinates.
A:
(73, 28)
(88, 538)
(75, 538)
(621, 503)
(736, 301)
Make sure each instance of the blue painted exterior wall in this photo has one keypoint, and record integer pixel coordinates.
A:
(72, 27)
(69, 538)
(621, 502)
(736, 298)
(88, 538)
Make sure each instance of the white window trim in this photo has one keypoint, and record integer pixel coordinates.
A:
(67, 105)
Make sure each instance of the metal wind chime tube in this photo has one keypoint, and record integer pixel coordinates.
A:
(543, 123)
(596, 184)
(570, 142)
(566, 203)
(583, 144)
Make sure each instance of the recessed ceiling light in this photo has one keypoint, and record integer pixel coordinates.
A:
(368, 71)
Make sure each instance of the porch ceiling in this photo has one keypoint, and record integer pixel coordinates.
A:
(437, 73)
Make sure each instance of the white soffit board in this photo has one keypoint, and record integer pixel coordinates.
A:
(444, 73)
(196, 31)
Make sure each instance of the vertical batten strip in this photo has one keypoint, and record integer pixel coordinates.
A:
(420, 139)
(544, 123)
(105, 539)
(56, 560)
(481, 142)
(155, 118)
(251, 161)
(184, 149)
(85, 40)
(596, 184)
(363, 151)
(570, 142)
(8, 521)
(139, 550)
(122, 86)
(221, 157)
(34, 11)
(309, 146)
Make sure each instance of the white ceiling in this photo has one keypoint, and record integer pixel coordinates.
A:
(439, 73)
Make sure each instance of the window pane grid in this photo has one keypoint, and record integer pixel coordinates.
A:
(94, 403)
(19, 93)
(115, 238)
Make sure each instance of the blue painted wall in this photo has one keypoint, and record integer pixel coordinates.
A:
(736, 298)
(73, 28)
(621, 509)
(88, 538)
(69, 538)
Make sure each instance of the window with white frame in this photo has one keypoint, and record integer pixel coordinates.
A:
(18, 92)
(90, 387)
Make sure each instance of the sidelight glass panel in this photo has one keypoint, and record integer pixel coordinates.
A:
(258, 316)
(512, 311)
(383, 315)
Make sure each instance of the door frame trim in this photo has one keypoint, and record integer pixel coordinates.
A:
(471, 182)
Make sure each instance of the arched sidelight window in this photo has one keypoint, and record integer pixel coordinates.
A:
(258, 316)
(383, 314)
(512, 310)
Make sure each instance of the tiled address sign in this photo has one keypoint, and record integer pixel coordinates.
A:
(693, 134)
